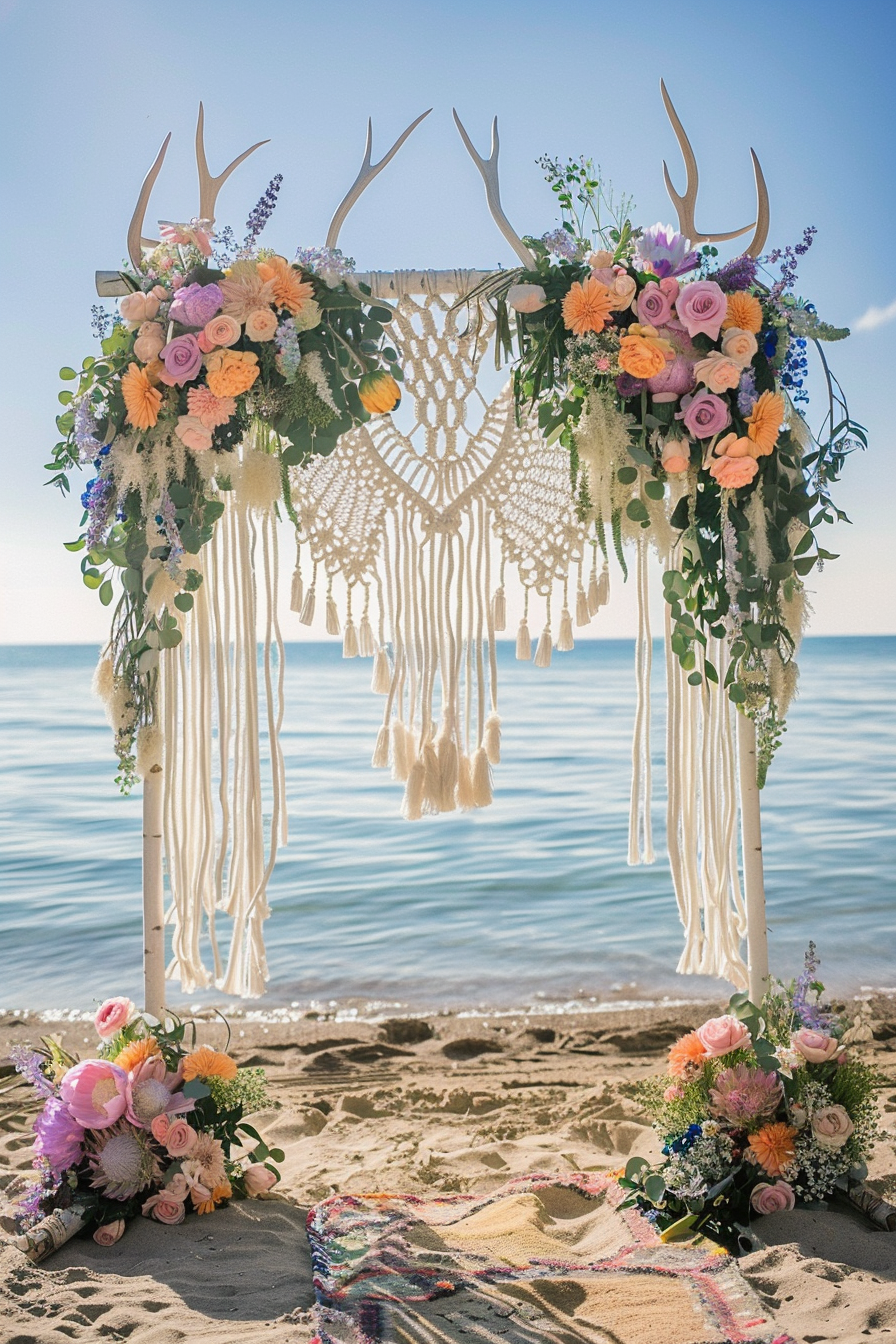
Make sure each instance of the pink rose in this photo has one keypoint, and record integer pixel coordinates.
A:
(732, 473)
(112, 1015)
(164, 1208)
(814, 1046)
(705, 414)
(717, 372)
(195, 305)
(777, 1198)
(221, 331)
(138, 307)
(180, 1138)
(161, 293)
(193, 433)
(205, 345)
(702, 306)
(670, 287)
(831, 1127)
(654, 307)
(177, 1187)
(739, 346)
(150, 341)
(261, 324)
(159, 1125)
(109, 1233)
(183, 360)
(676, 457)
(258, 1179)
(720, 1035)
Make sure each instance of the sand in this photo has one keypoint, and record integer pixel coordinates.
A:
(449, 1103)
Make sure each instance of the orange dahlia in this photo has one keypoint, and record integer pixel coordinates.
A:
(764, 423)
(744, 312)
(140, 397)
(136, 1052)
(686, 1056)
(773, 1148)
(208, 1063)
(290, 290)
(587, 307)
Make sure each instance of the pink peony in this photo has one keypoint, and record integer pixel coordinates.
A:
(720, 1035)
(814, 1046)
(182, 358)
(112, 1015)
(705, 414)
(777, 1198)
(258, 1179)
(702, 306)
(95, 1092)
(195, 305)
(109, 1233)
(654, 306)
(193, 433)
(180, 1139)
(742, 1095)
(164, 1208)
(733, 473)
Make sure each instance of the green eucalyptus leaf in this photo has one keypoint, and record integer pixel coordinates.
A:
(655, 1188)
(106, 593)
(654, 489)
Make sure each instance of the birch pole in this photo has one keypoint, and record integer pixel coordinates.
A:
(754, 881)
(153, 893)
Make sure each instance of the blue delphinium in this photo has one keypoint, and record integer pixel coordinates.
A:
(811, 1013)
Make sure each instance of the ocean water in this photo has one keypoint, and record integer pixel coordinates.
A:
(527, 902)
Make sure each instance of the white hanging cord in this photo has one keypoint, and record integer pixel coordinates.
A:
(640, 837)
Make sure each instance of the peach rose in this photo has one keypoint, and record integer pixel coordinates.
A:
(831, 1127)
(731, 446)
(112, 1015)
(815, 1046)
(138, 307)
(720, 1035)
(221, 331)
(150, 340)
(526, 298)
(180, 1138)
(159, 1125)
(261, 324)
(622, 289)
(676, 457)
(258, 1179)
(601, 260)
(717, 372)
(777, 1198)
(109, 1233)
(177, 1187)
(732, 473)
(193, 433)
(739, 346)
(164, 1208)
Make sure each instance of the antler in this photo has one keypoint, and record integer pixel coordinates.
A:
(686, 204)
(489, 170)
(135, 230)
(210, 186)
(366, 175)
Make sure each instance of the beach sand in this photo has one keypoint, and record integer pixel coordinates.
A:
(447, 1103)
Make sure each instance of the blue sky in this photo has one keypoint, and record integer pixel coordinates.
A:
(89, 91)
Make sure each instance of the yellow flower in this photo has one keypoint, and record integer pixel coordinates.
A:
(208, 1063)
(140, 397)
(379, 392)
(587, 307)
(744, 312)
(764, 423)
(231, 372)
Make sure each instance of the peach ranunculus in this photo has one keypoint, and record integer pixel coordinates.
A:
(221, 331)
(717, 372)
(815, 1046)
(141, 399)
(643, 353)
(720, 1035)
(777, 1198)
(112, 1015)
(108, 1233)
(180, 1138)
(739, 346)
(150, 340)
(732, 446)
(231, 372)
(687, 1056)
(732, 473)
(587, 306)
(764, 422)
(526, 298)
(211, 410)
(744, 312)
(208, 1063)
(773, 1147)
(261, 324)
(164, 1208)
(138, 307)
(831, 1127)
(258, 1178)
(193, 434)
(676, 456)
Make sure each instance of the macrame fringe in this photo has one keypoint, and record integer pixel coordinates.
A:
(640, 830)
(466, 798)
(365, 638)
(296, 591)
(350, 640)
(381, 680)
(499, 610)
(482, 779)
(307, 614)
(492, 739)
(380, 758)
(523, 642)
(565, 641)
(333, 626)
(545, 645)
(583, 611)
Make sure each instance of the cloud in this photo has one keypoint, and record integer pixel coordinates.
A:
(875, 317)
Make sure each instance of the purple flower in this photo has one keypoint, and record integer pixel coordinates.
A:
(194, 305)
(262, 212)
(85, 432)
(705, 414)
(747, 396)
(182, 358)
(28, 1063)
(629, 387)
(654, 307)
(740, 273)
(664, 252)
(562, 243)
(812, 1015)
(58, 1136)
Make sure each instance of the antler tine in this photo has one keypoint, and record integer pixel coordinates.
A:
(366, 175)
(489, 170)
(686, 205)
(762, 209)
(210, 186)
(135, 229)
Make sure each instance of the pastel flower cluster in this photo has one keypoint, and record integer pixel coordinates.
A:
(146, 1126)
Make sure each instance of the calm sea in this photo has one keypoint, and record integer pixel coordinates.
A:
(528, 901)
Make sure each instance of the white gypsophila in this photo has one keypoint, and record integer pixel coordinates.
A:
(818, 1168)
(706, 1162)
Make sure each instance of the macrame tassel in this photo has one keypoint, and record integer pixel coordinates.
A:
(593, 594)
(583, 611)
(482, 779)
(603, 587)
(565, 641)
(296, 592)
(365, 638)
(402, 751)
(491, 739)
(412, 806)
(333, 626)
(380, 758)
(350, 640)
(545, 646)
(523, 642)
(307, 614)
(432, 787)
(466, 798)
(448, 768)
(499, 609)
(381, 681)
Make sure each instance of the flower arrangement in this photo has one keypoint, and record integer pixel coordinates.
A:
(759, 1110)
(146, 1127)
(223, 365)
(676, 384)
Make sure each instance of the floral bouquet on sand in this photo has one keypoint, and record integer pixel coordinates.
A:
(761, 1109)
(146, 1127)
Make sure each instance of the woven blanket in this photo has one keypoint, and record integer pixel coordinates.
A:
(542, 1259)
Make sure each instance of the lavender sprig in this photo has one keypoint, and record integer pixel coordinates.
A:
(262, 212)
(28, 1063)
(740, 273)
(788, 259)
(811, 1014)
